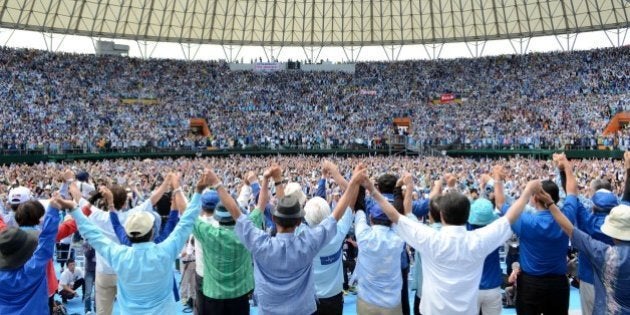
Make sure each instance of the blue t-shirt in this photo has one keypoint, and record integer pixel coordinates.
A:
(492, 275)
(543, 244)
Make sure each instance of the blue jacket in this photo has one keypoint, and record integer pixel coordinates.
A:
(24, 290)
(590, 223)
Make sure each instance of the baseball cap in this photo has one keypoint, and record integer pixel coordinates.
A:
(139, 224)
(19, 195)
(209, 200)
(604, 200)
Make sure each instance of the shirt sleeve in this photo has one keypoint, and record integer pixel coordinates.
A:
(66, 229)
(103, 245)
(321, 188)
(46, 244)
(173, 218)
(174, 243)
(582, 217)
(570, 207)
(594, 249)
(322, 234)
(121, 235)
(416, 234)
(251, 236)
(344, 225)
(257, 218)
(361, 229)
(493, 235)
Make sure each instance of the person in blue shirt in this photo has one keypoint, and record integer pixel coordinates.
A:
(23, 259)
(145, 270)
(489, 300)
(611, 263)
(177, 202)
(542, 284)
(283, 263)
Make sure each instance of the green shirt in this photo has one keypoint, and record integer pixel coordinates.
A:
(228, 270)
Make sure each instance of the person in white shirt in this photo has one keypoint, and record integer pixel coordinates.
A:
(71, 279)
(452, 258)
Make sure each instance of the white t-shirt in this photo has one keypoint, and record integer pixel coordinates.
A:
(68, 278)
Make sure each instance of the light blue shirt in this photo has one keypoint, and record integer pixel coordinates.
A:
(145, 270)
(378, 264)
(327, 265)
(283, 265)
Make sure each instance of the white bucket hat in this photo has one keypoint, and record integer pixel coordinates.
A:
(617, 223)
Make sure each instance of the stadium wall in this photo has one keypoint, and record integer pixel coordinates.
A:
(541, 154)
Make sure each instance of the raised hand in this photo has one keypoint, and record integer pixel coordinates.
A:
(107, 195)
(544, 198)
(74, 191)
(498, 172)
(407, 179)
(626, 160)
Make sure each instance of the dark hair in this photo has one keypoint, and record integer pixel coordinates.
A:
(383, 222)
(69, 261)
(454, 208)
(474, 190)
(29, 213)
(286, 222)
(386, 183)
(598, 184)
(434, 209)
(120, 196)
(163, 206)
(552, 189)
(141, 239)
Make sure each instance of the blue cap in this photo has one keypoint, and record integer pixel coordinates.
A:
(604, 200)
(481, 212)
(209, 200)
(421, 208)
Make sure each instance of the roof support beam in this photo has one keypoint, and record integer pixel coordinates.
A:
(392, 51)
(312, 53)
(566, 41)
(190, 50)
(476, 48)
(352, 52)
(146, 48)
(272, 52)
(49, 41)
(522, 44)
(231, 52)
(617, 40)
(433, 50)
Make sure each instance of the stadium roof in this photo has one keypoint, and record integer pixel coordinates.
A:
(314, 23)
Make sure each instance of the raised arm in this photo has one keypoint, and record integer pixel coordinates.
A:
(517, 207)
(567, 168)
(46, 244)
(121, 235)
(408, 197)
(159, 192)
(333, 170)
(626, 188)
(387, 208)
(350, 195)
(498, 172)
(562, 220)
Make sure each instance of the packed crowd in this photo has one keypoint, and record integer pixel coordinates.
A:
(271, 230)
(59, 102)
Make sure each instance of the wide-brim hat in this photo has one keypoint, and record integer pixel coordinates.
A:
(16, 247)
(289, 208)
(617, 223)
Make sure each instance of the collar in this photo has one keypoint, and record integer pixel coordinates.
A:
(453, 229)
(143, 245)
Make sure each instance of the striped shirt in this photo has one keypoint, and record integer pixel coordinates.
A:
(228, 271)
